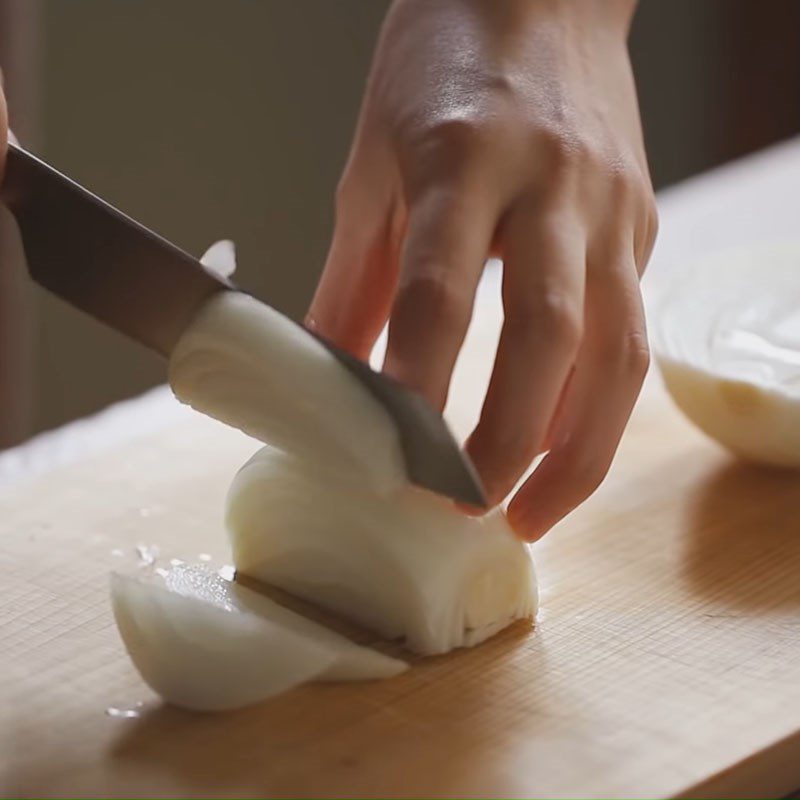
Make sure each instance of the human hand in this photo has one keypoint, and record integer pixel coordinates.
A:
(507, 128)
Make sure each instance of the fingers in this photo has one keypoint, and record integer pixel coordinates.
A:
(608, 376)
(355, 292)
(543, 286)
(447, 242)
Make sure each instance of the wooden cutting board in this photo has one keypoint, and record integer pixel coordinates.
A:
(665, 660)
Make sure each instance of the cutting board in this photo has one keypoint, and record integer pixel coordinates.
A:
(665, 660)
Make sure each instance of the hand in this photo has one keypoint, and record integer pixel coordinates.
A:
(511, 128)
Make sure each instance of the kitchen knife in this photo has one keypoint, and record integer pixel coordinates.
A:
(108, 265)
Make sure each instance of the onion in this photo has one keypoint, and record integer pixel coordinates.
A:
(727, 339)
(245, 364)
(221, 258)
(407, 566)
(326, 513)
(205, 643)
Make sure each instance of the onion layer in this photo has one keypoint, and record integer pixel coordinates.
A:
(208, 644)
(245, 364)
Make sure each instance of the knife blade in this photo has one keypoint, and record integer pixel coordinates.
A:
(96, 258)
(106, 264)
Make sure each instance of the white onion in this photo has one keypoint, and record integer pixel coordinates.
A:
(245, 364)
(325, 513)
(727, 339)
(407, 566)
(207, 644)
(221, 258)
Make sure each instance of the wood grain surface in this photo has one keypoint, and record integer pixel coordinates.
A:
(665, 660)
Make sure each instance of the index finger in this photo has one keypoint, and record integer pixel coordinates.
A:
(447, 243)
(543, 283)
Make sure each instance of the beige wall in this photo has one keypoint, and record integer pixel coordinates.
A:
(204, 119)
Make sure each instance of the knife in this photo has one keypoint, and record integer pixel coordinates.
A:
(108, 265)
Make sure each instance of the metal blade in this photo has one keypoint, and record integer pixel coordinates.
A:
(98, 259)
(105, 263)
(433, 457)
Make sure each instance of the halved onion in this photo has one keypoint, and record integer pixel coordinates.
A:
(205, 643)
(407, 566)
(727, 339)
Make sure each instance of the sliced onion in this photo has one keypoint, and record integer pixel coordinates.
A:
(221, 258)
(407, 566)
(249, 366)
(207, 644)
(728, 344)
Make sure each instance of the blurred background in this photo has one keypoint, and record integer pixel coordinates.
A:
(208, 119)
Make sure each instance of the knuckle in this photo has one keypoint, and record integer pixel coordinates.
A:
(432, 297)
(636, 354)
(452, 150)
(464, 133)
(627, 355)
(553, 315)
(563, 148)
(624, 181)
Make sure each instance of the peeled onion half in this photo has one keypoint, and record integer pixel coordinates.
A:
(727, 339)
(205, 643)
(408, 565)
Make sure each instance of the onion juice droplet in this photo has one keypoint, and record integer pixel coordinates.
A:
(147, 554)
(125, 712)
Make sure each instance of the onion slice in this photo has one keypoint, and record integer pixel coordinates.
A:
(247, 365)
(208, 644)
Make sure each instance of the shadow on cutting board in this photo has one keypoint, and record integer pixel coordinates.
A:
(358, 736)
(743, 539)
